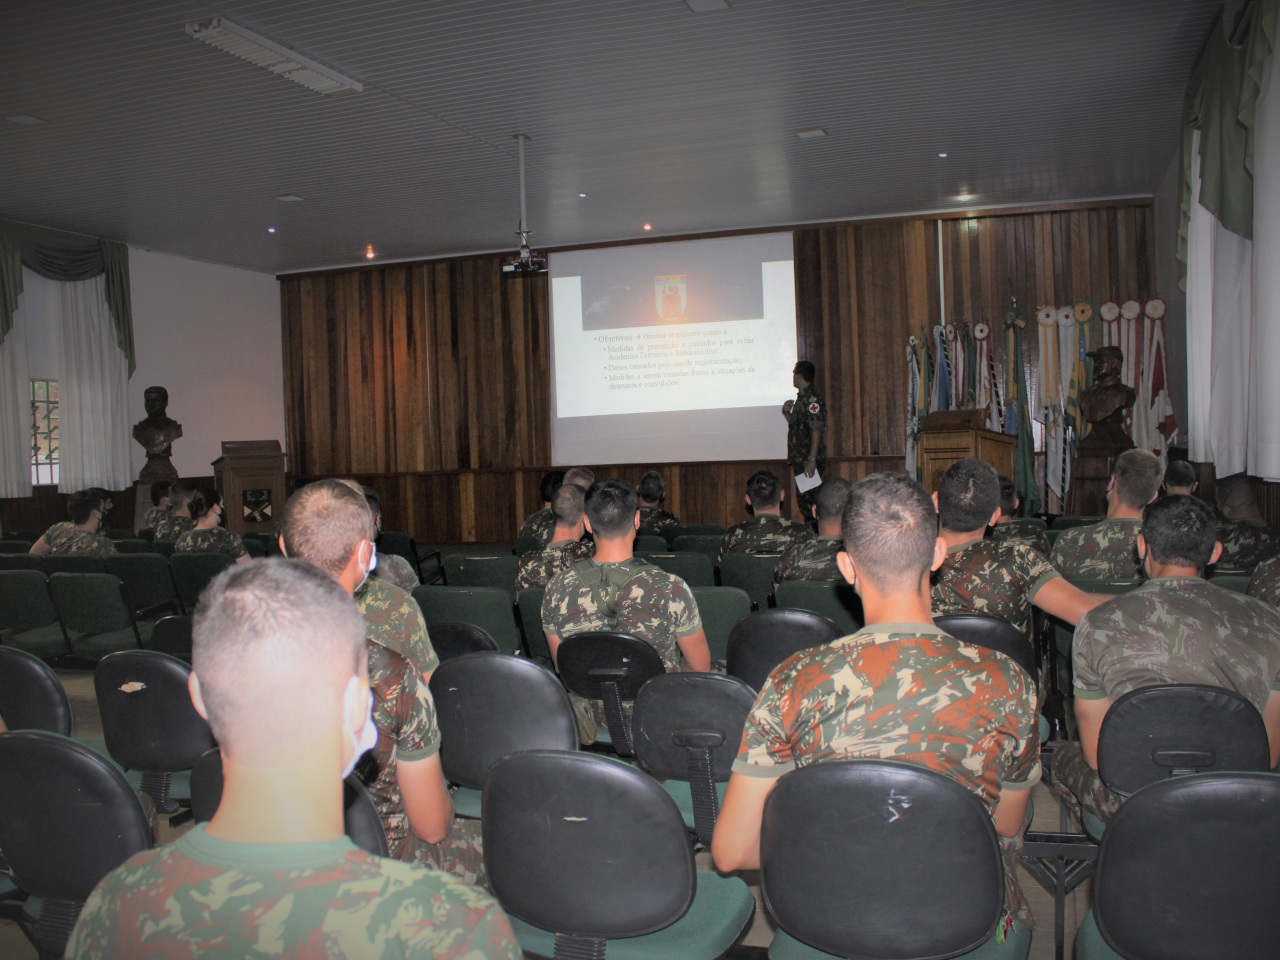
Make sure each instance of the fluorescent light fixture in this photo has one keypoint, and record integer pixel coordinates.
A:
(811, 133)
(25, 120)
(289, 198)
(706, 6)
(258, 50)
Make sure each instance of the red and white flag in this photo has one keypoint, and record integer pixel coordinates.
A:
(1158, 423)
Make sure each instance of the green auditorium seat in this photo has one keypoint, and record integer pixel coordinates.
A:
(490, 608)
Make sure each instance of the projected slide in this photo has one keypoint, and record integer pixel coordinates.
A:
(660, 329)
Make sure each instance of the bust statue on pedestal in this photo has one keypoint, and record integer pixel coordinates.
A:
(156, 434)
(1104, 405)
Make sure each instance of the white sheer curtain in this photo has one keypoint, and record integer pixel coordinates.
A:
(1264, 420)
(15, 412)
(93, 406)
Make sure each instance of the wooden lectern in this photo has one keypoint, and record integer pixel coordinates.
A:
(951, 435)
(250, 477)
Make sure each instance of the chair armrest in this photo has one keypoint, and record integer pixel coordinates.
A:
(147, 611)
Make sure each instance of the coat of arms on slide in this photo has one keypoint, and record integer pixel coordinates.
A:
(670, 296)
(257, 505)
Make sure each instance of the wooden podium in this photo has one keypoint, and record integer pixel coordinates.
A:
(951, 435)
(250, 477)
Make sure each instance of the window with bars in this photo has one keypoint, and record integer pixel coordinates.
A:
(44, 432)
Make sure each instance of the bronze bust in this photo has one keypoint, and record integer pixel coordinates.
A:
(1104, 405)
(156, 434)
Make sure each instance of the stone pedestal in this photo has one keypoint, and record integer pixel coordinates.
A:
(1087, 496)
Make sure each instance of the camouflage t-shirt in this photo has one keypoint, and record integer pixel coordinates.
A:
(539, 525)
(1100, 551)
(899, 691)
(212, 540)
(810, 560)
(537, 567)
(152, 517)
(657, 521)
(1265, 584)
(202, 896)
(393, 619)
(405, 716)
(656, 606)
(1021, 531)
(808, 411)
(999, 579)
(171, 527)
(1178, 630)
(395, 569)
(763, 533)
(65, 539)
(1247, 543)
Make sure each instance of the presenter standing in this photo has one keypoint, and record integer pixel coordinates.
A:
(806, 433)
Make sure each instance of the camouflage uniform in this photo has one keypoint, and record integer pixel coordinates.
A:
(1100, 551)
(1021, 531)
(395, 569)
(810, 560)
(808, 411)
(65, 539)
(1247, 543)
(212, 540)
(407, 730)
(1265, 584)
(1170, 630)
(202, 896)
(393, 619)
(657, 521)
(540, 525)
(999, 579)
(905, 692)
(763, 533)
(152, 517)
(171, 527)
(537, 567)
(656, 606)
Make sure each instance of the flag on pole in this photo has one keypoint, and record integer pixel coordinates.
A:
(1017, 418)
(913, 406)
(941, 399)
(1157, 420)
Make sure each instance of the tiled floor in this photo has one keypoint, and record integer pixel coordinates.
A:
(79, 684)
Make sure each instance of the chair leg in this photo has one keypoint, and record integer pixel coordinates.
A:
(619, 730)
(578, 948)
(156, 786)
(702, 787)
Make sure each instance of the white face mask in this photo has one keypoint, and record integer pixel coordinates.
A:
(370, 567)
(367, 741)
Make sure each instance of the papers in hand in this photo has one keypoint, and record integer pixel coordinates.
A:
(805, 483)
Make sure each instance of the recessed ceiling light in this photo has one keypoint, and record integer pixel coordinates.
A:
(811, 133)
(583, 195)
(25, 120)
(964, 197)
(271, 229)
(289, 198)
(943, 156)
(706, 6)
(368, 252)
(648, 226)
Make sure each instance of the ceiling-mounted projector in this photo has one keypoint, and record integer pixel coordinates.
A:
(528, 264)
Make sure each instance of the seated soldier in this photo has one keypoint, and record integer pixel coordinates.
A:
(207, 536)
(1180, 477)
(1265, 582)
(816, 559)
(617, 591)
(539, 523)
(767, 530)
(1176, 628)
(178, 520)
(160, 504)
(391, 567)
(328, 524)
(279, 672)
(983, 576)
(566, 548)
(83, 535)
(1009, 529)
(653, 519)
(898, 689)
(1109, 550)
(1246, 538)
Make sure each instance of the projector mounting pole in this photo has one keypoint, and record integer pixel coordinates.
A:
(524, 216)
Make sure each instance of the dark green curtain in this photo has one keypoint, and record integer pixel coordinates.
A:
(67, 257)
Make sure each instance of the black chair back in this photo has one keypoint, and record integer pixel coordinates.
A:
(1187, 869)
(921, 876)
(983, 630)
(31, 695)
(491, 705)
(609, 666)
(172, 635)
(762, 640)
(452, 638)
(67, 818)
(14, 546)
(192, 572)
(688, 726)
(360, 818)
(22, 561)
(585, 845)
(1154, 733)
(73, 564)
